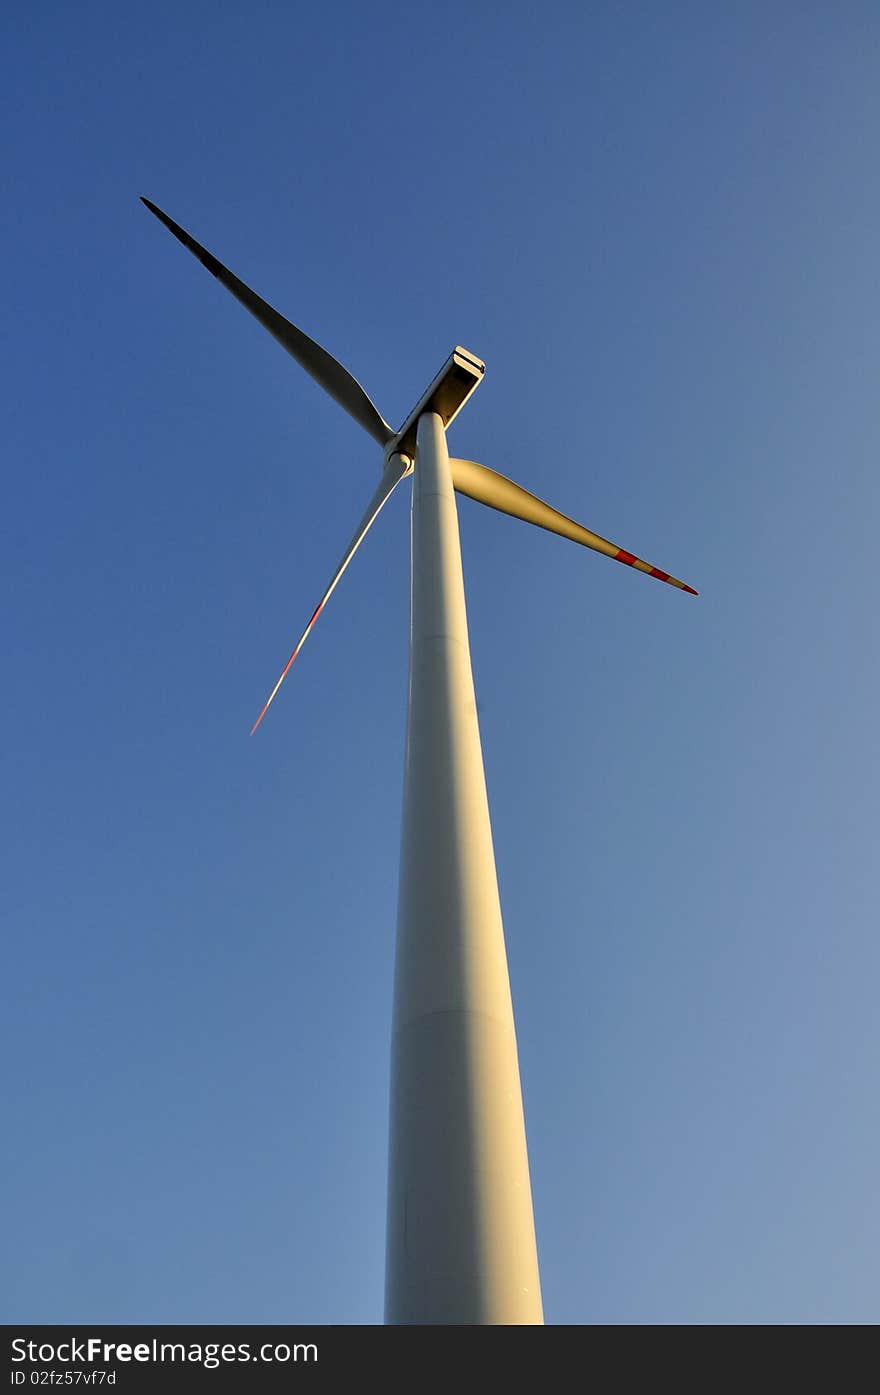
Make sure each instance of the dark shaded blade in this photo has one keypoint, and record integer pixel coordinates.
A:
(322, 366)
(498, 492)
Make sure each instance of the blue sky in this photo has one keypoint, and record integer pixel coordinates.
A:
(658, 226)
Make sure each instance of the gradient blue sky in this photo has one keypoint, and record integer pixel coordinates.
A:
(659, 227)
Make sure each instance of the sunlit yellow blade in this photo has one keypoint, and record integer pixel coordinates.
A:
(498, 492)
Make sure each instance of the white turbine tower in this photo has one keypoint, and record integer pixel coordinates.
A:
(461, 1236)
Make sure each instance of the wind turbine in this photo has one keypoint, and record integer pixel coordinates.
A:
(461, 1237)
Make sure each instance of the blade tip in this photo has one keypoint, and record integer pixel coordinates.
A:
(263, 711)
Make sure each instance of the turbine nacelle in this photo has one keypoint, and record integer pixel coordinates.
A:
(459, 377)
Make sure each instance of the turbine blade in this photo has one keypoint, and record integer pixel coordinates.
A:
(394, 473)
(498, 492)
(323, 367)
